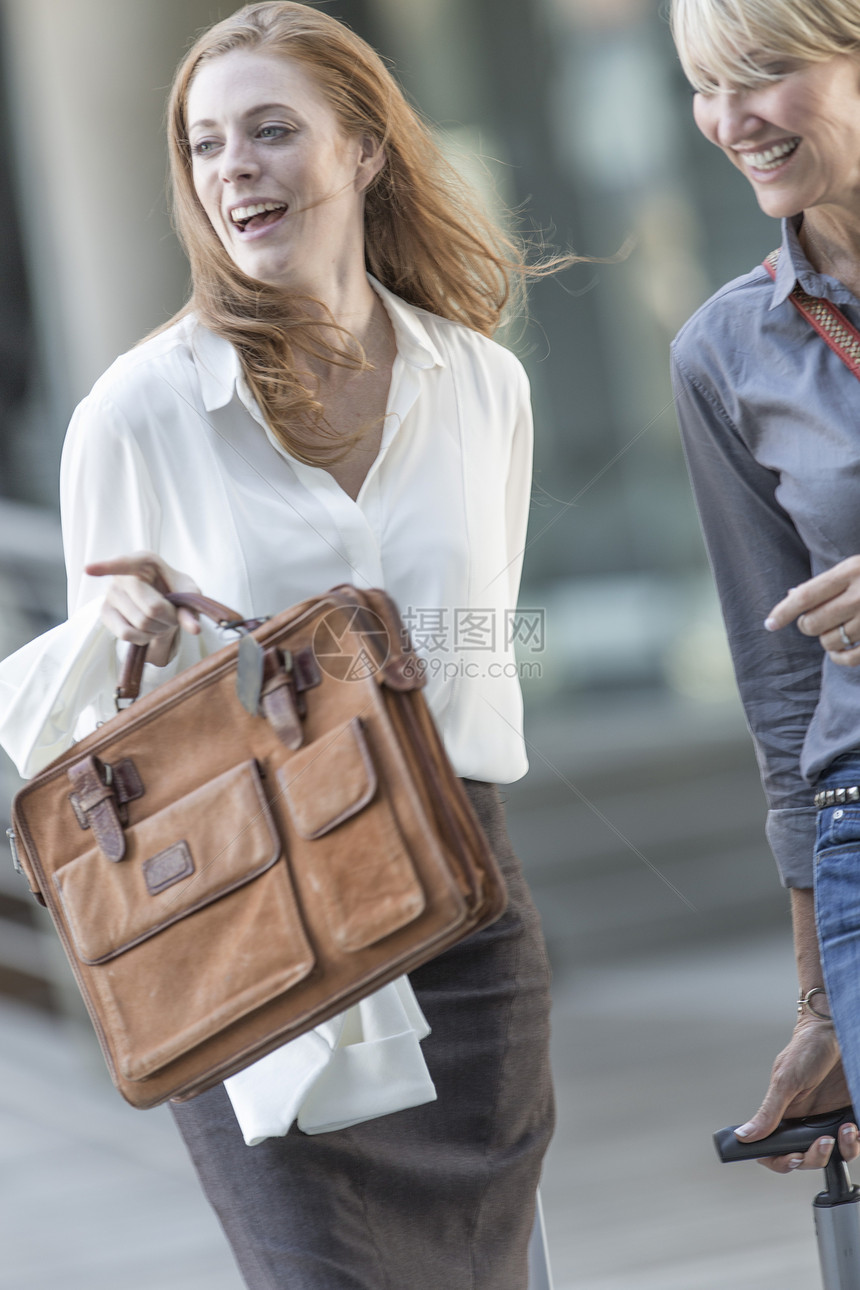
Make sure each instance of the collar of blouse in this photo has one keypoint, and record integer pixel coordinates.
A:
(220, 370)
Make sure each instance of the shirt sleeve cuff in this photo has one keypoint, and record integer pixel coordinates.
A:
(791, 835)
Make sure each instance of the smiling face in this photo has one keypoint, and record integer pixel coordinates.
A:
(281, 184)
(797, 138)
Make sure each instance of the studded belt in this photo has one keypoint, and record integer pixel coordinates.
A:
(836, 796)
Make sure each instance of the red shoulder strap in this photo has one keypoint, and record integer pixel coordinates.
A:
(830, 323)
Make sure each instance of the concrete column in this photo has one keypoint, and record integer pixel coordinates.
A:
(87, 81)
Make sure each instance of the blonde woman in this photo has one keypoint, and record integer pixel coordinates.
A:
(329, 408)
(769, 415)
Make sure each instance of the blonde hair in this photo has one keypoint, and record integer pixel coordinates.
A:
(426, 239)
(733, 41)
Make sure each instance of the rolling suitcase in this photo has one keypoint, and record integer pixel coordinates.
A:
(835, 1210)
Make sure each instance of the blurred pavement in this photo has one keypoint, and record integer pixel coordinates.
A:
(650, 1057)
(674, 989)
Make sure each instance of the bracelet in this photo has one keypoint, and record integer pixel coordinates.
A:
(805, 1001)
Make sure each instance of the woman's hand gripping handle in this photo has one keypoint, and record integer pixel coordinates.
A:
(135, 608)
(806, 1079)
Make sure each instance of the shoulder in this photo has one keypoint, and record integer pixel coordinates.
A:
(469, 354)
(145, 400)
(473, 349)
(142, 410)
(148, 371)
(718, 335)
(491, 384)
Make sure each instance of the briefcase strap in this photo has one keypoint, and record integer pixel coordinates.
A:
(100, 792)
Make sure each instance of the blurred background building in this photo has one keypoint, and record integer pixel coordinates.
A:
(642, 820)
(574, 113)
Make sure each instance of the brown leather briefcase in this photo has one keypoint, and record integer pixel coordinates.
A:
(257, 844)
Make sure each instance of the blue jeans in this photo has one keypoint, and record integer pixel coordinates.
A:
(837, 912)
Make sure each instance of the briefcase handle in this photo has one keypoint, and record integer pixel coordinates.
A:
(132, 670)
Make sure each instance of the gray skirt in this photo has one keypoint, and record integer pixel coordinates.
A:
(439, 1197)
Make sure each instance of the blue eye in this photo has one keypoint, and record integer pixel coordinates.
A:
(273, 131)
(203, 147)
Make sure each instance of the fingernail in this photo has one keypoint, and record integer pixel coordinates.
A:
(744, 1130)
(848, 1130)
(795, 1162)
(827, 1142)
(770, 624)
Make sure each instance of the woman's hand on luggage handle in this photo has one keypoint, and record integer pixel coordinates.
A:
(806, 1079)
(827, 606)
(135, 610)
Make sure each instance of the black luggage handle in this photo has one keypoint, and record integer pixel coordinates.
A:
(799, 1135)
(836, 1209)
(788, 1136)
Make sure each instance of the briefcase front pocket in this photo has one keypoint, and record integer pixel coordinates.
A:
(347, 843)
(195, 927)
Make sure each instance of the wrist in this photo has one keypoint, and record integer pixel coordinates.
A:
(813, 1002)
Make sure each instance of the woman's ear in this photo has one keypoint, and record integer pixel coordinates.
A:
(371, 160)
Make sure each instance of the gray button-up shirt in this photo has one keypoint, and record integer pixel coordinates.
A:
(770, 419)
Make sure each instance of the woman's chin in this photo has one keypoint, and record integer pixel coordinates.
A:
(782, 200)
(273, 270)
(778, 205)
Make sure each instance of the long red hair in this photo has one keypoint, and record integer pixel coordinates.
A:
(426, 238)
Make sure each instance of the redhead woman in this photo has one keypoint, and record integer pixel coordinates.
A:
(769, 416)
(328, 408)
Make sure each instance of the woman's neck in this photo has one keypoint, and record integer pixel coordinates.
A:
(831, 239)
(355, 307)
(351, 301)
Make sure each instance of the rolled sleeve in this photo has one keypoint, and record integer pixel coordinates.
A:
(791, 837)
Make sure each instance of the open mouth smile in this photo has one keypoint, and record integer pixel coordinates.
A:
(256, 216)
(770, 159)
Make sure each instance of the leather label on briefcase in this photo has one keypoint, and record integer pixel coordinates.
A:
(167, 868)
(353, 855)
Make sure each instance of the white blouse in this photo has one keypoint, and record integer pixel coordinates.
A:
(170, 453)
